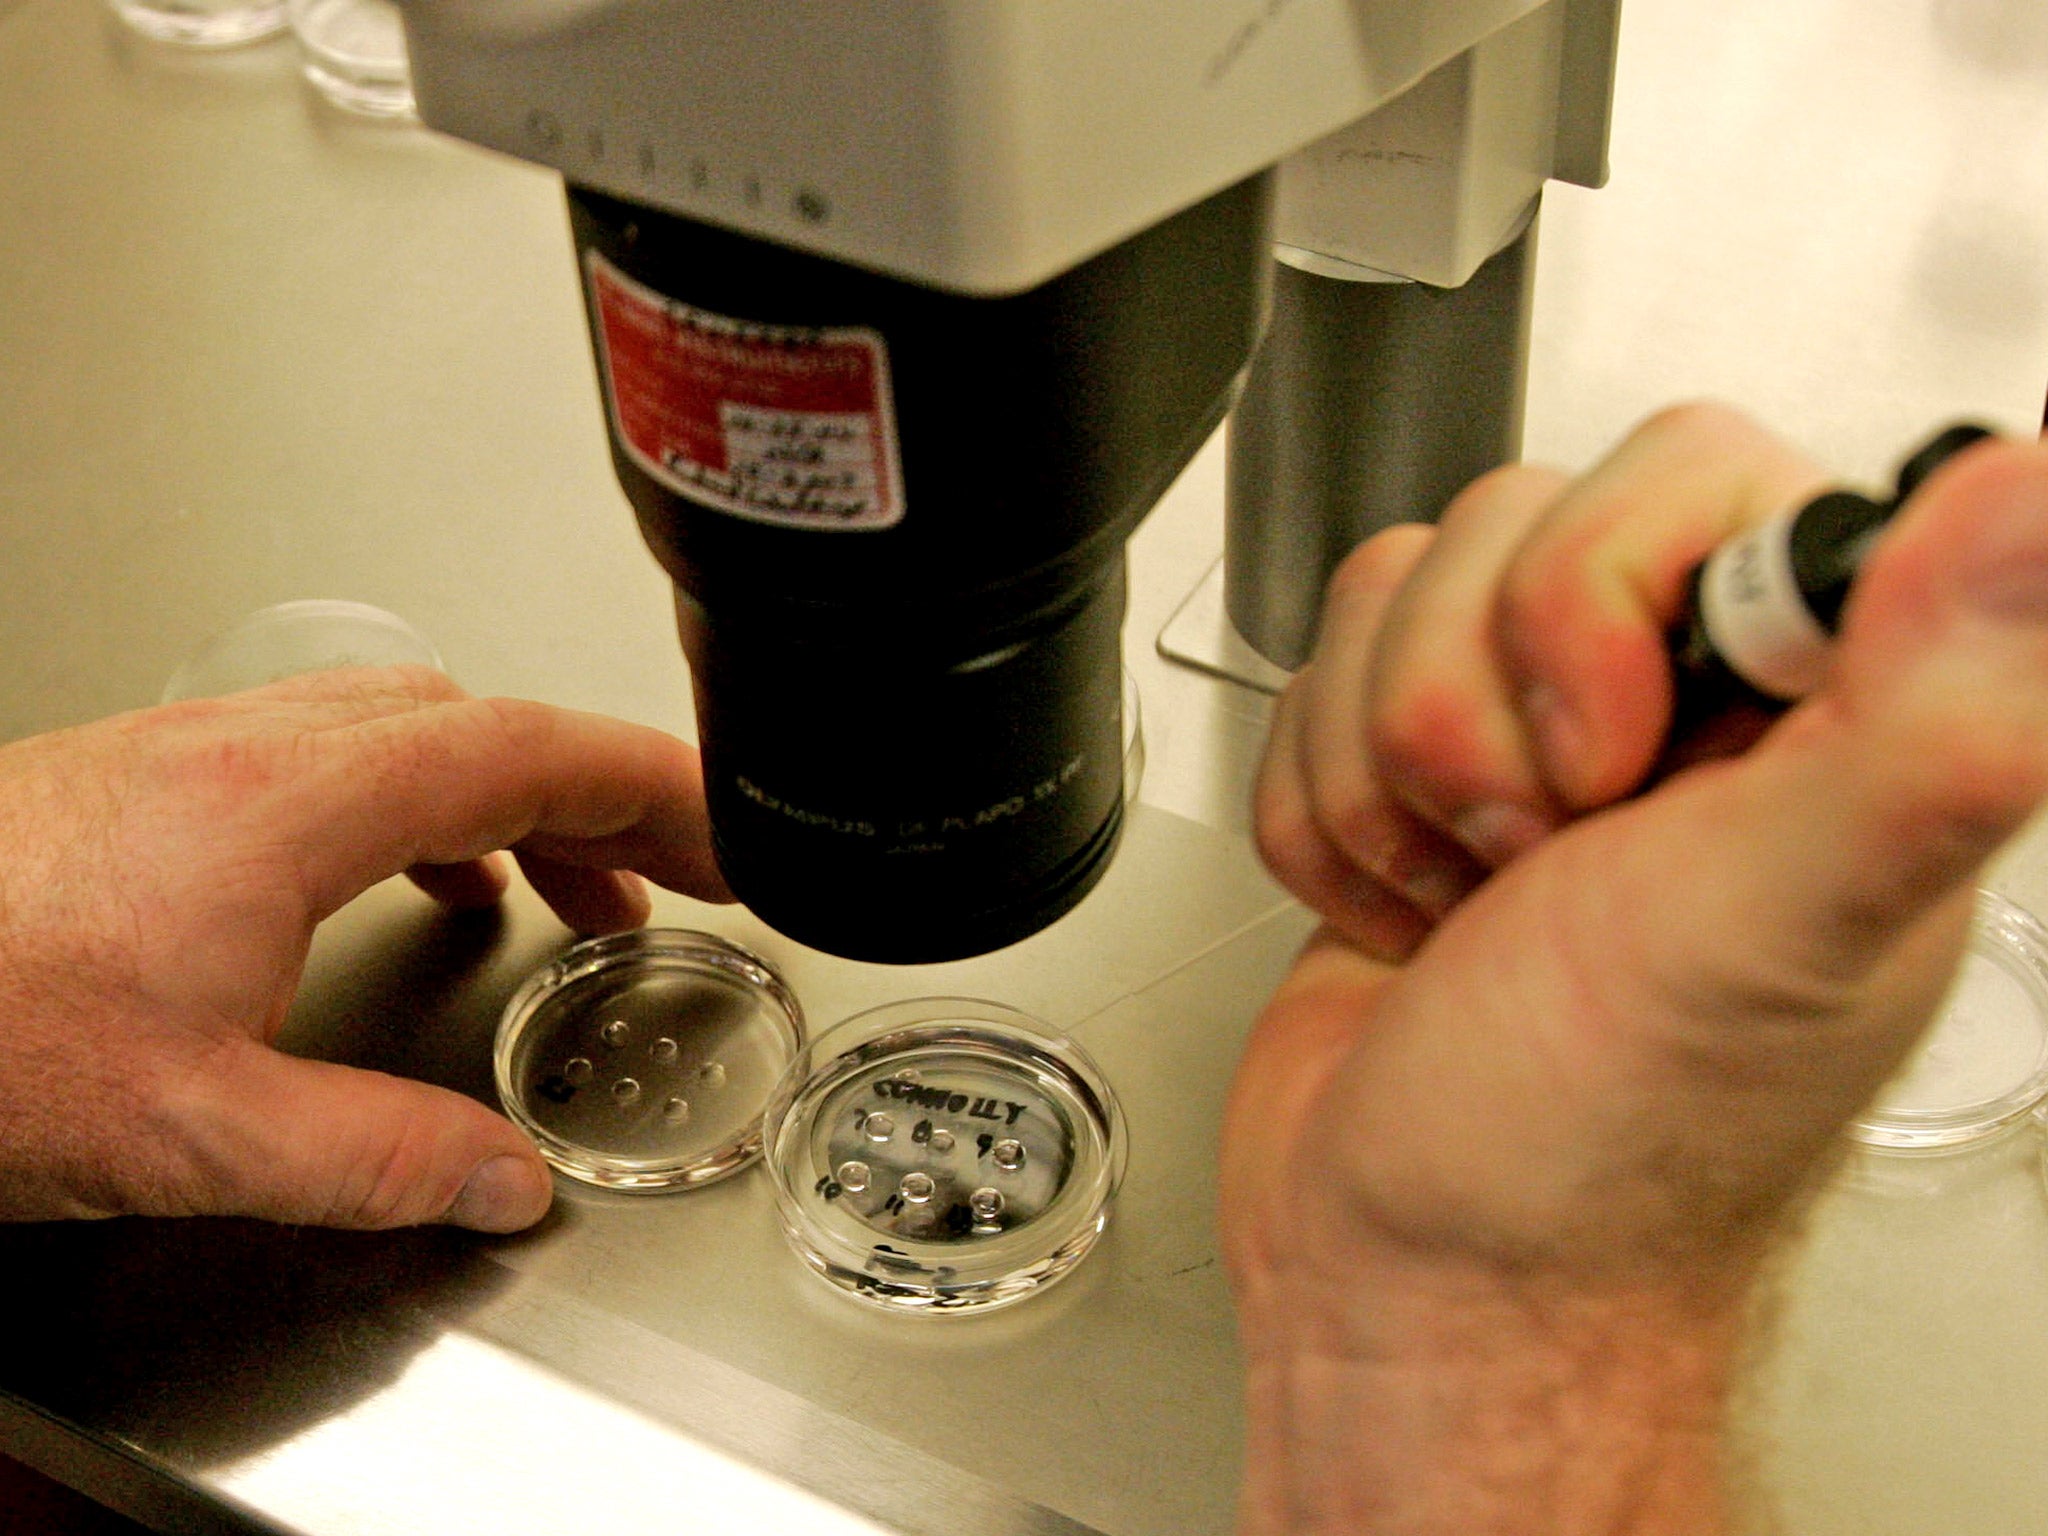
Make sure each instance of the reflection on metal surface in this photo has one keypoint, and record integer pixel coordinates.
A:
(491, 1445)
(730, 1413)
(1200, 635)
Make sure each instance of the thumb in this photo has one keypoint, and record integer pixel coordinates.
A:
(1882, 796)
(324, 1145)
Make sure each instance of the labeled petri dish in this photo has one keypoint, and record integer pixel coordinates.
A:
(1983, 1064)
(944, 1155)
(641, 1061)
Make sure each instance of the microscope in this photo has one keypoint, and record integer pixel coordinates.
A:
(906, 312)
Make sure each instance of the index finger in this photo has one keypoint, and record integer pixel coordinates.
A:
(1584, 604)
(461, 779)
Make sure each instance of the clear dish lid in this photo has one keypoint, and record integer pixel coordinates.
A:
(1983, 1063)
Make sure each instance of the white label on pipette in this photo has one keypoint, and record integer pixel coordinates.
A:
(1756, 616)
(793, 425)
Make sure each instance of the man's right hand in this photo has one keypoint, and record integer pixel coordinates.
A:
(1509, 1148)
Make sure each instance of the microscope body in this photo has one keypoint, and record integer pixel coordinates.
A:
(980, 146)
(904, 314)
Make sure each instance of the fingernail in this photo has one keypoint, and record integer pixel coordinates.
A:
(1498, 832)
(504, 1194)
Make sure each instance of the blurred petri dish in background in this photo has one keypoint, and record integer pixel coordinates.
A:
(944, 1155)
(310, 635)
(642, 1061)
(203, 23)
(1983, 1063)
(355, 54)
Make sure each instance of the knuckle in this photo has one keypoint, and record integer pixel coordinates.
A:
(1977, 792)
(1544, 591)
(1351, 815)
(1509, 487)
(1695, 421)
(1424, 727)
(458, 732)
(1281, 826)
(519, 727)
(428, 684)
(1382, 563)
(1938, 790)
(238, 768)
(387, 1185)
(1278, 840)
(178, 1158)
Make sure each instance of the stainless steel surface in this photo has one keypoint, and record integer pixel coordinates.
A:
(1201, 635)
(1369, 404)
(251, 351)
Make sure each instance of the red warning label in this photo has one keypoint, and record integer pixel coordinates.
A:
(782, 424)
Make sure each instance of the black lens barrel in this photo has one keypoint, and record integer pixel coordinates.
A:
(912, 732)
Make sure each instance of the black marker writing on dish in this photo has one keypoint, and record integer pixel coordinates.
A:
(1764, 606)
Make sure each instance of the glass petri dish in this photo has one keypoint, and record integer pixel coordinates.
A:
(641, 1061)
(355, 54)
(944, 1155)
(1983, 1064)
(203, 23)
(309, 635)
